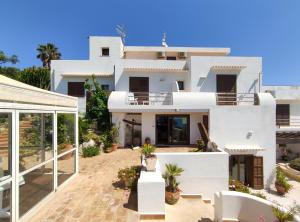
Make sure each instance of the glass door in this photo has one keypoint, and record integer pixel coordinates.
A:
(172, 129)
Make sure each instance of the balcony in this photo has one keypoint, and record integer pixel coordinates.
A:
(233, 99)
(288, 123)
(149, 98)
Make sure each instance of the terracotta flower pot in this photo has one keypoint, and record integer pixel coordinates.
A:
(114, 146)
(280, 189)
(172, 197)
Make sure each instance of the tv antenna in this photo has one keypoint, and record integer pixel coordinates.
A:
(122, 32)
(164, 40)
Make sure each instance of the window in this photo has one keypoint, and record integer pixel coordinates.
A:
(105, 51)
(105, 87)
(76, 89)
(180, 85)
(171, 57)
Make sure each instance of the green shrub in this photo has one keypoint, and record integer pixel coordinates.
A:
(295, 164)
(91, 136)
(106, 139)
(238, 186)
(283, 216)
(260, 195)
(281, 180)
(90, 151)
(147, 150)
(129, 176)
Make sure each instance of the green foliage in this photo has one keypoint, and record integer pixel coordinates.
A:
(96, 107)
(35, 76)
(5, 58)
(106, 139)
(129, 176)
(46, 53)
(281, 180)
(201, 145)
(295, 164)
(65, 128)
(147, 150)
(238, 186)
(260, 195)
(172, 171)
(91, 136)
(114, 132)
(283, 216)
(83, 127)
(90, 151)
(10, 72)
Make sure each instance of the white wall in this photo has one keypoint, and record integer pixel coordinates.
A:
(230, 205)
(204, 173)
(202, 79)
(231, 125)
(96, 43)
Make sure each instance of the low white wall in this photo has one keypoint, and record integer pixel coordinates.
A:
(151, 194)
(204, 173)
(231, 205)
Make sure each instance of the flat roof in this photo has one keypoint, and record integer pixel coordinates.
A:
(204, 50)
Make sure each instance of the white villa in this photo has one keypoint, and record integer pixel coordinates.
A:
(172, 96)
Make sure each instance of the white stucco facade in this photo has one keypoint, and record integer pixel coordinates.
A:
(248, 124)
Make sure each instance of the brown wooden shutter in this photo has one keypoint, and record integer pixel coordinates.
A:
(76, 89)
(258, 176)
(226, 89)
(283, 114)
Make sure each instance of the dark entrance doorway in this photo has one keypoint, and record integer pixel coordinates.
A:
(140, 87)
(172, 129)
(247, 169)
(226, 89)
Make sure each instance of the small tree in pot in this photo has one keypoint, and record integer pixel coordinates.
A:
(148, 150)
(172, 189)
(281, 183)
(114, 133)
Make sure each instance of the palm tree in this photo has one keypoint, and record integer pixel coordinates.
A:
(46, 53)
(172, 171)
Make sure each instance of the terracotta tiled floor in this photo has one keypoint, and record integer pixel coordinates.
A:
(91, 195)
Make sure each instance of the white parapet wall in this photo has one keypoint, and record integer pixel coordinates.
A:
(237, 206)
(151, 194)
(204, 172)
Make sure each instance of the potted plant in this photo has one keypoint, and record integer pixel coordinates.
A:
(107, 142)
(150, 159)
(129, 176)
(172, 189)
(283, 216)
(281, 183)
(114, 133)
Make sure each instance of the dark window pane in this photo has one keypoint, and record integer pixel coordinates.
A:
(66, 167)
(171, 57)
(65, 132)
(180, 85)
(105, 51)
(35, 186)
(5, 144)
(105, 87)
(76, 89)
(36, 135)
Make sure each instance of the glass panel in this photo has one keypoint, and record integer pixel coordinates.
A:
(5, 202)
(162, 129)
(180, 130)
(133, 130)
(36, 135)
(65, 131)
(35, 186)
(65, 167)
(5, 144)
(233, 161)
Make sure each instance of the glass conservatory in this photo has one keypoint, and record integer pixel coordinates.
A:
(38, 147)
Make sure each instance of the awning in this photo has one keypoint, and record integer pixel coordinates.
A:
(243, 149)
(84, 74)
(226, 69)
(287, 137)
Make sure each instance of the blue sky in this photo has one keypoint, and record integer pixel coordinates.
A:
(266, 28)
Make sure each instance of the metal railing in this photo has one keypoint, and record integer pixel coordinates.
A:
(288, 122)
(150, 98)
(237, 99)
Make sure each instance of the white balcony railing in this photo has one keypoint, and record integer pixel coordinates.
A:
(149, 98)
(237, 99)
(288, 122)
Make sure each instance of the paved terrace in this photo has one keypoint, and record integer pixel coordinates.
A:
(92, 195)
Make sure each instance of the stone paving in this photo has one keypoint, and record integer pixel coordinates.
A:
(91, 196)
